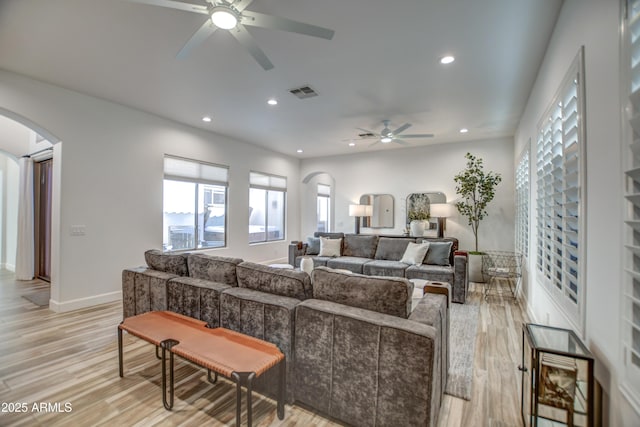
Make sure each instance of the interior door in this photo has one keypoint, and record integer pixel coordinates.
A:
(42, 182)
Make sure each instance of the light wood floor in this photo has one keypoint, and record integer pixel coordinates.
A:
(69, 363)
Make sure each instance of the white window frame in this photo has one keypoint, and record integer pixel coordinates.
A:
(270, 183)
(522, 188)
(630, 295)
(198, 173)
(561, 197)
(324, 192)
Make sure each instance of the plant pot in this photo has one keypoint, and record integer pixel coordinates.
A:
(475, 268)
(417, 228)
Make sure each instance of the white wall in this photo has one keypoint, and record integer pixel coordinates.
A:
(594, 24)
(110, 163)
(401, 172)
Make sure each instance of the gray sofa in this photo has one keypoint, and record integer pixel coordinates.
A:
(380, 255)
(355, 351)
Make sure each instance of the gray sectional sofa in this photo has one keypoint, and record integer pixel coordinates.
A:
(380, 255)
(355, 351)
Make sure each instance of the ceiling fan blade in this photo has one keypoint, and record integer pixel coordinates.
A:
(271, 22)
(242, 35)
(175, 5)
(240, 5)
(368, 131)
(377, 142)
(402, 128)
(401, 142)
(418, 135)
(198, 37)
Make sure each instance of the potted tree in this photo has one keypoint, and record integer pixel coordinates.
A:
(476, 189)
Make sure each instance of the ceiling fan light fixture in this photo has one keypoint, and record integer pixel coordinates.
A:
(385, 139)
(447, 59)
(224, 17)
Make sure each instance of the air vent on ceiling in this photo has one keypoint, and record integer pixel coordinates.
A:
(366, 135)
(303, 92)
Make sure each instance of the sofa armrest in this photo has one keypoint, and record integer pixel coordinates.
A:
(296, 249)
(460, 277)
(341, 350)
(433, 310)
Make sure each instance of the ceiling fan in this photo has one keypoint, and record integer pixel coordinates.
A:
(232, 15)
(387, 135)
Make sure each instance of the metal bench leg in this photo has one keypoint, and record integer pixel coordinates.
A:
(167, 345)
(158, 353)
(281, 385)
(120, 362)
(247, 379)
(214, 379)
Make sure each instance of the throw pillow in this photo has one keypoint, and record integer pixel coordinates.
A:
(415, 253)
(313, 246)
(438, 253)
(330, 247)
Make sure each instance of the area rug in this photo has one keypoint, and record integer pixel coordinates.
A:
(40, 298)
(463, 327)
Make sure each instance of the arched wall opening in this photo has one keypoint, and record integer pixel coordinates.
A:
(20, 136)
(309, 201)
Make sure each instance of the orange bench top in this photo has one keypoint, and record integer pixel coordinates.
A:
(222, 350)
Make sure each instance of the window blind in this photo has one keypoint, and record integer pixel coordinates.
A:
(267, 182)
(191, 170)
(522, 204)
(560, 200)
(631, 155)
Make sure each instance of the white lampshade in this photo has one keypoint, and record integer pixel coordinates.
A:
(360, 210)
(440, 210)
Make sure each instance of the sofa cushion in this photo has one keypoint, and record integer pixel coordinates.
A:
(350, 263)
(215, 268)
(438, 253)
(381, 267)
(313, 246)
(168, 263)
(277, 281)
(330, 247)
(415, 253)
(453, 240)
(197, 298)
(435, 273)
(388, 295)
(391, 248)
(359, 245)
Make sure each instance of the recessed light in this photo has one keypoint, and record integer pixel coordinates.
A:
(272, 101)
(299, 150)
(352, 144)
(206, 119)
(464, 130)
(447, 59)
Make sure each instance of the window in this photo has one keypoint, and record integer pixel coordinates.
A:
(324, 208)
(267, 196)
(560, 201)
(630, 382)
(195, 204)
(522, 204)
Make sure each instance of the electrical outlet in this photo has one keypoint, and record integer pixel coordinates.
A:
(78, 230)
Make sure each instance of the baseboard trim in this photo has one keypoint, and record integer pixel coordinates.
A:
(79, 303)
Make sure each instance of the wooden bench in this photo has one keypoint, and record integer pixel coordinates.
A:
(234, 355)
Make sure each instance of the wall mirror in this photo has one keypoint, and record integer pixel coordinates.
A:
(420, 199)
(382, 210)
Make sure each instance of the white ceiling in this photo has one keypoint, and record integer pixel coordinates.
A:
(383, 63)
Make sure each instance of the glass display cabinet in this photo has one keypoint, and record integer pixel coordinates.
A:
(557, 378)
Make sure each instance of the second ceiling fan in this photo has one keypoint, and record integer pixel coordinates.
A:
(387, 135)
(231, 15)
